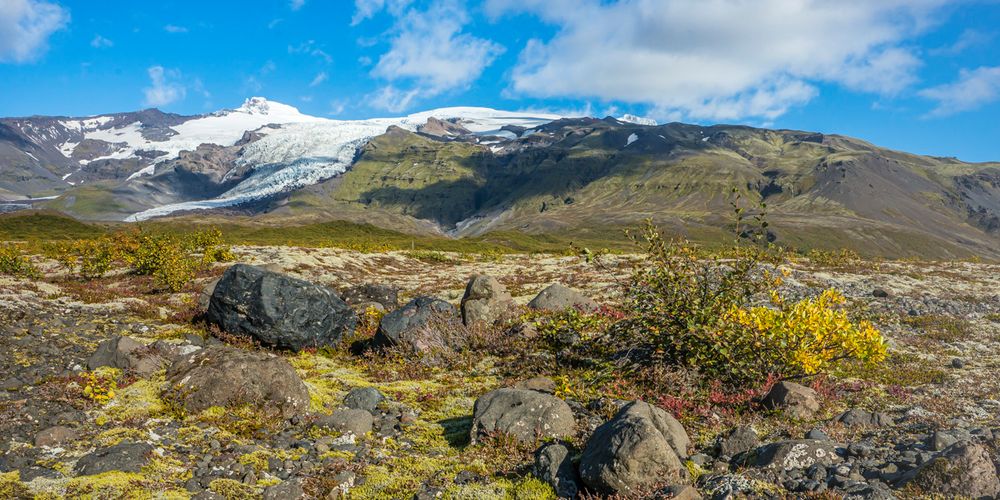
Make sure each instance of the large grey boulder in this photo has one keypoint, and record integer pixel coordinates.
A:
(423, 325)
(554, 465)
(558, 297)
(796, 454)
(485, 300)
(795, 400)
(962, 470)
(638, 448)
(522, 414)
(226, 376)
(278, 310)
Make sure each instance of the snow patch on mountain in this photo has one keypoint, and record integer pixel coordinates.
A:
(298, 154)
(638, 120)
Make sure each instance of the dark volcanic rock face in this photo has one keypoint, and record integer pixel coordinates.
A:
(278, 310)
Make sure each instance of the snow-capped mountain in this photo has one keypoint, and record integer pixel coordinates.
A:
(277, 149)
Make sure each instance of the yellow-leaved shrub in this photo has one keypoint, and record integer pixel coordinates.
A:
(705, 314)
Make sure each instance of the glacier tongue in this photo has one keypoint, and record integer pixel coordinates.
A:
(302, 152)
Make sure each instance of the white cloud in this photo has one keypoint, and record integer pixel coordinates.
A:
(296, 4)
(718, 59)
(99, 42)
(311, 49)
(25, 28)
(429, 54)
(392, 99)
(173, 28)
(164, 87)
(968, 39)
(973, 89)
(320, 78)
(366, 9)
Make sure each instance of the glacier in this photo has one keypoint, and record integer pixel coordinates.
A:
(303, 149)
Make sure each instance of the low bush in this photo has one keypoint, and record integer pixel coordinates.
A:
(15, 263)
(172, 259)
(725, 318)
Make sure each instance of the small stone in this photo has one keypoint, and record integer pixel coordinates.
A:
(539, 384)
(349, 420)
(797, 401)
(740, 439)
(54, 436)
(364, 398)
(957, 363)
(880, 293)
(817, 434)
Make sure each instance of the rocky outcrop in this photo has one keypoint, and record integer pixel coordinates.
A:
(558, 297)
(796, 454)
(638, 448)
(523, 414)
(485, 300)
(132, 356)
(226, 376)
(278, 310)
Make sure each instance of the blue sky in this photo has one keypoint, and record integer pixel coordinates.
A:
(917, 75)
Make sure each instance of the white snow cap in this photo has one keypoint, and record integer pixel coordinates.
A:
(305, 149)
(638, 120)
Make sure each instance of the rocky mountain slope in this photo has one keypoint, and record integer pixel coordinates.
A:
(469, 171)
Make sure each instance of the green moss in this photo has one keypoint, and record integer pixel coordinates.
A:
(256, 459)
(233, 490)
(116, 435)
(114, 484)
(12, 487)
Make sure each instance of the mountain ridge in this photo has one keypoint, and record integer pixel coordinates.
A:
(468, 171)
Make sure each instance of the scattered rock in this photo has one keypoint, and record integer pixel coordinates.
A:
(962, 470)
(941, 439)
(278, 310)
(957, 363)
(634, 450)
(364, 398)
(523, 414)
(540, 384)
(223, 376)
(797, 401)
(125, 457)
(554, 466)
(348, 421)
(558, 297)
(796, 454)
(485, 300)
(384, 295)
(55, 436)
(285, 490)
(127, 354)
(861, 418)
(881, 293)
(423, 325)
(817, 434)
(739, 440)
(681, 492)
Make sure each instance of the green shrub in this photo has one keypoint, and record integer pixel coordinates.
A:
(701, 314)
(14, 262)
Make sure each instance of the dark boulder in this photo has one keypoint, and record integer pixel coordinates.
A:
(278, 310)
(423, 325)
(227, 376)
(364, 398)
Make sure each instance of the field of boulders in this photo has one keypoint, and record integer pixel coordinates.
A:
(324, 373)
